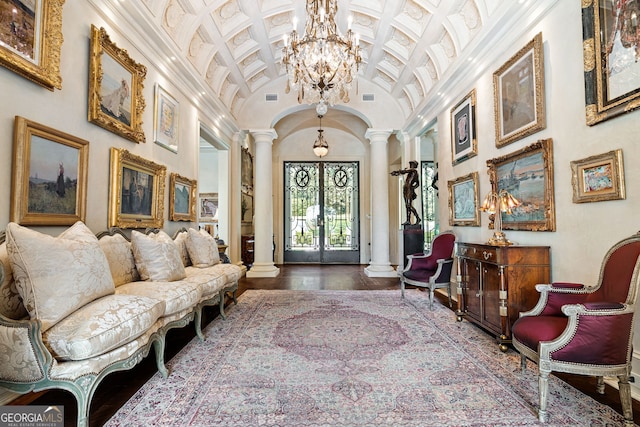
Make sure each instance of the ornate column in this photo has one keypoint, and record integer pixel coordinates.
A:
(380, 265)
(263, 205)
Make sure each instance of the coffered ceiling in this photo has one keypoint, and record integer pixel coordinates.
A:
(409, 46)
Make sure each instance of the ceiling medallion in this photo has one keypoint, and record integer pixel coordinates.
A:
(323, 64)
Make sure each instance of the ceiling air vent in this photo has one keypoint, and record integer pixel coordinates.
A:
(368, 97)
(271, 97)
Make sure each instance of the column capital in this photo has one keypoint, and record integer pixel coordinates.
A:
(239, 137)
(403, 137)
(263, 135)
(375, 135)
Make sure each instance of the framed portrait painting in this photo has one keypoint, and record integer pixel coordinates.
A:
(527, 174)
(464, 201)
(463, 129)
(49, 177)
(31, 39)
(208, 207)
(611, 49)
(136, 191)
(598, 178)
(518, 91)
(166, 120)
(182, 198)
(115, 88)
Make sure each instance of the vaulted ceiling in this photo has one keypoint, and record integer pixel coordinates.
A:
(409, 46)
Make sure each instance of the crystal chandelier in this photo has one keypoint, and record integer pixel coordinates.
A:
(320, 147)
(322, 64)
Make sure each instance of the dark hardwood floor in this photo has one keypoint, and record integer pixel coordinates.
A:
(118, 387)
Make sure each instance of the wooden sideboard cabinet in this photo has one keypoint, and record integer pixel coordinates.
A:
(496, 283)
(247, 250)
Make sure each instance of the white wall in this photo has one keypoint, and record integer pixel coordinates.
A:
(584, 232)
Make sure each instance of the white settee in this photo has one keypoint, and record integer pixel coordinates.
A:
(76, 307)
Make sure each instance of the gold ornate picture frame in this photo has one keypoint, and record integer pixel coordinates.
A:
(166, 119)
(115, 88)
(464, 143)
(182, 198)
(527, 174)
(31, 41)
(49, 176)
(136, 191)
(598, 178)
(464, 201)
(612, 82)
(518, 91)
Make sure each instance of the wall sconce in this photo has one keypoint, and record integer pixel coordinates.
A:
(494, 204)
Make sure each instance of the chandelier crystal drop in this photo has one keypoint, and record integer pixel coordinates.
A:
(322, 65)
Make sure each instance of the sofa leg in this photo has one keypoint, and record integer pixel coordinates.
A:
(84, 402)
(221, 305)
(198, 323)
(158, 346)
(235, 298)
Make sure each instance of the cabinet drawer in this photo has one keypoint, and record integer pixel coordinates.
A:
(478, 252)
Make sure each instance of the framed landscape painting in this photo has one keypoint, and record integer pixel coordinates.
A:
(611, 49)
(31, 39)
(528, 175)
(136, 191)
(49, 177)
(182, 198)
(115, 88)
(464, 201)
(463, 129)
(518, 91)
(598, 178)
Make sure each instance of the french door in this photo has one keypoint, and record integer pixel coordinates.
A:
(321, 212)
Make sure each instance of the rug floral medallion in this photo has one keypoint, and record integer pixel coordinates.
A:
(350, 358)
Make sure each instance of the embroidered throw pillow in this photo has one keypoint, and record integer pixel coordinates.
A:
(202, 248)
(57, 275)
(157, 257)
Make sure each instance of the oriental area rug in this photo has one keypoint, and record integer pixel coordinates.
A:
(350, 358)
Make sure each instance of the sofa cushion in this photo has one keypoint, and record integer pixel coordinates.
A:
(210, 281)
(55, 276)
(177, 296)
(11, 305)
(102, 325)
(181, 241)
(232, 271)
(117, 249)
(157, 257)
(203, 249)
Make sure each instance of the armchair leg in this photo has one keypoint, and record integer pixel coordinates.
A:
(523, 362)
(401, 288)
(431, 297)
(600, 385)
(543, 391)
(625, 399)
(449, 294)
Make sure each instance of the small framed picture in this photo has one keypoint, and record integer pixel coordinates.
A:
(136, 191)
(464, 144)
(518, 91)
(166, 120)
(464, 201)
(182, 198)
(49, 175)
(598, 178)
(208, 207)
(115, 88)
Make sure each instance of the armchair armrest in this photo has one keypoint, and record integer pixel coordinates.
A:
(443, 273)
(592, 335)
(421, 261)
(554, 295)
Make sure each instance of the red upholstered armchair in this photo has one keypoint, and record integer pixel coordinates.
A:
(585, 330)
(433, 269)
